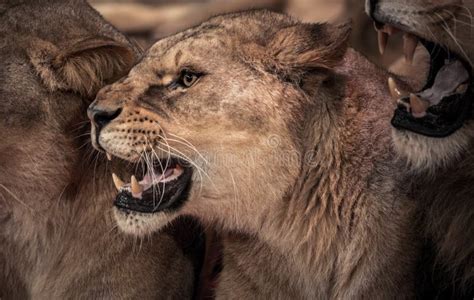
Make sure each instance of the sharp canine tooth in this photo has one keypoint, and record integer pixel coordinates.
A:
(117, 181)
(378, 26)
(394, 90)
(385, 28)
(383, 40)
(418, 106)
(462, 89)
(409, 46)
(392, 86)
(136, 187)
(390, 29)
(109, 156)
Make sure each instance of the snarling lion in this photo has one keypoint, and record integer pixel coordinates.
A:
(57, 235)
(270, 129)
(434, 130)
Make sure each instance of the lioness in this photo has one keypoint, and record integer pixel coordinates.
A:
(434, 131)
(57, 235)
(266, 127)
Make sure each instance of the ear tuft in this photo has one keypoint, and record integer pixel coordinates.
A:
(302, 47)
(84, 66)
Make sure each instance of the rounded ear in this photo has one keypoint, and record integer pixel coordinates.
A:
(301, 47)
(83, 66)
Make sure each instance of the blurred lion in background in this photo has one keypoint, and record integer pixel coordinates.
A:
(58, 239)
(433, 130)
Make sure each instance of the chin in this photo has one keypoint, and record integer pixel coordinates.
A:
(141, 224)
(427, 154)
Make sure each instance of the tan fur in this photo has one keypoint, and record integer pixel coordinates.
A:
(58, 239)
(291, 151)
(425, 154)
(441, 169)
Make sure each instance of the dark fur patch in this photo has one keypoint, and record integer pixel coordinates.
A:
(178, 56)
(153, 99)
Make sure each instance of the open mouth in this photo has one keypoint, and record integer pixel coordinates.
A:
(444, 104)
(163, 185)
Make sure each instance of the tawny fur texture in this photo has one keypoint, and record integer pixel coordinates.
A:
(58, 239)
(290, 146)
(441, 170)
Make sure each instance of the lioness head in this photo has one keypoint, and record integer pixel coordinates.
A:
(214, 118)
(51, 66)
(432, 124)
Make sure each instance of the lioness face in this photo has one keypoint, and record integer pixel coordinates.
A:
(434, 124)
(210, 121)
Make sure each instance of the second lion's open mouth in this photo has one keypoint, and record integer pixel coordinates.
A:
(158, 186)
(444, 104)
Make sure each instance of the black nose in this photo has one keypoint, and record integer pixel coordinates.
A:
(102, 117)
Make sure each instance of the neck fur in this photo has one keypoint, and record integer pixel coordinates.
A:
(350, 140)
(78, 214)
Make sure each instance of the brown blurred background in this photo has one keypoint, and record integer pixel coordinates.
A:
(146, 21)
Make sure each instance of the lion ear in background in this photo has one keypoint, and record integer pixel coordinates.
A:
(83, 66)
(303, 47)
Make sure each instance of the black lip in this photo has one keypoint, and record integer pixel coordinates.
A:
(164, 197)
(441, 121)
(448, 116)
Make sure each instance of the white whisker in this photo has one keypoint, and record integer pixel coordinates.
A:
(16, 197)
(450, 33)
(189, 144)
(163, 169)
(183, 156)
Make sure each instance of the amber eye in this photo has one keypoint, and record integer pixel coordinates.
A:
(189, 78)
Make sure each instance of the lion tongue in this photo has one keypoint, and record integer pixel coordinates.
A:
(136, 188)
(150, 179)
(167, 173)
(449, 78)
